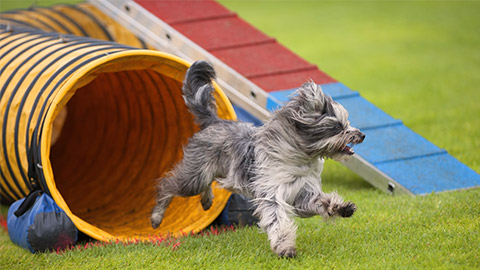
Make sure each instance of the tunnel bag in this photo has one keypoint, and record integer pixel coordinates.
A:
(38, 224)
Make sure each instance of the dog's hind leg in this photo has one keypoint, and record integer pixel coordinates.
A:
(207, 198)
(159, 211)
(187, 179)
(165, 192)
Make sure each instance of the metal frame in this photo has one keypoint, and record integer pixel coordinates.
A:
(374, 176)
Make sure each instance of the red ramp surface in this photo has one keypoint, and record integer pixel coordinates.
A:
(244, 48)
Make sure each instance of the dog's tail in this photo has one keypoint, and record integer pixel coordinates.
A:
(198, 93)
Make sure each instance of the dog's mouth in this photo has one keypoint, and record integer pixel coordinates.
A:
(348, 150)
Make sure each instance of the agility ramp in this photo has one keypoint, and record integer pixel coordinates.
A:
(124, 124)
(258, 74)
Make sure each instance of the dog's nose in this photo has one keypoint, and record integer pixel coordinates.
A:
(362, 136)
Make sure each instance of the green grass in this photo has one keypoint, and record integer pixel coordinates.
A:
(435, 231)
(419, 62)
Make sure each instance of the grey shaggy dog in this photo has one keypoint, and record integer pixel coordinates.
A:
(277, 165)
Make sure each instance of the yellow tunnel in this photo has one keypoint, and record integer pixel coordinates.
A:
(94, 123)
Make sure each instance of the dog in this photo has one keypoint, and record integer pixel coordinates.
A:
(278, 165)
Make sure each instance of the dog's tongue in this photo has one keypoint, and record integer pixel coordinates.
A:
(348, 150)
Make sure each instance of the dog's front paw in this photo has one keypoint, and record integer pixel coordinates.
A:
(347, 209)
(287, 253)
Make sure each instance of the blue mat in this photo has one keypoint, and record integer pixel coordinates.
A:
(390, 146)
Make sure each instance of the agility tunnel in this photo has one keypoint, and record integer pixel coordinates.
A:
(82, 19)
(94, 123)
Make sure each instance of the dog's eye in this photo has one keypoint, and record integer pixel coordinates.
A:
(339, 127)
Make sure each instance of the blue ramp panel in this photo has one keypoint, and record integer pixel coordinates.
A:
(394, 150)
(391, 143)
(245, 116)
(427, 174)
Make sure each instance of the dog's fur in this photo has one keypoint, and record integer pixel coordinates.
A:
(278, 165)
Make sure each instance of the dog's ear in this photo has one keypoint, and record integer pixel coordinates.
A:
(312, 99)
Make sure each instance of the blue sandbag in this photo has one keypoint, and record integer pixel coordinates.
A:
(42, 226)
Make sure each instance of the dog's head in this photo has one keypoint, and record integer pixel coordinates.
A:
(321, 124)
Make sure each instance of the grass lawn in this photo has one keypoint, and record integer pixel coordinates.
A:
(419, 62)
